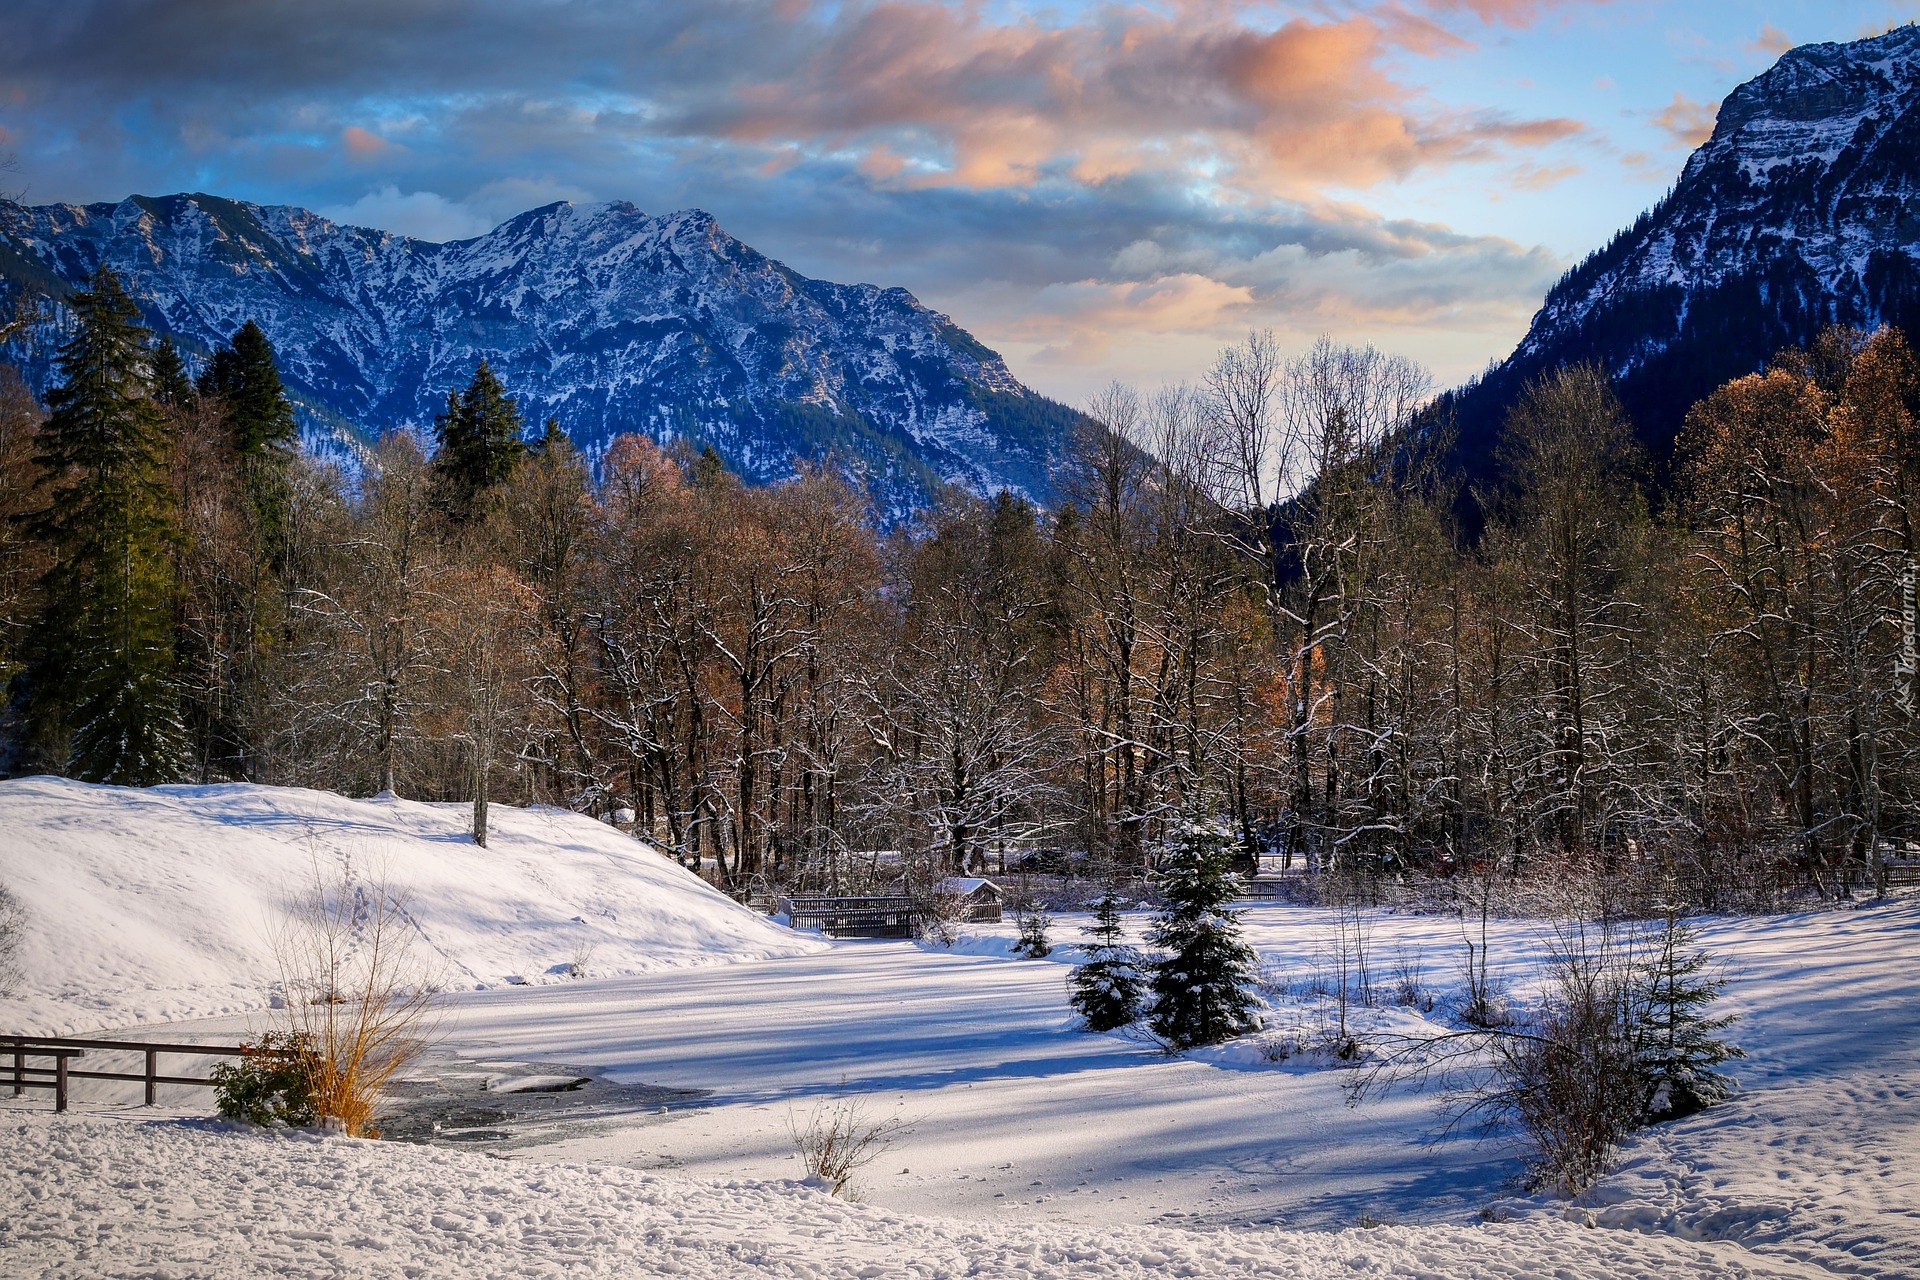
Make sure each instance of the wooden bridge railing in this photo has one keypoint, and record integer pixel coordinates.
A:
(63, 1050)
(869, 916)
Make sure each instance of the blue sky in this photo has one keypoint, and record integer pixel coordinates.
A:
(1100, 191)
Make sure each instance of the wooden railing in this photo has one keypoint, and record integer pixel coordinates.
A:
(63, 1051)
(871, 916)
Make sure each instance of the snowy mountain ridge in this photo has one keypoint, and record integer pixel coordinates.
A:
(1809, 165)
(1801, 210)
(603, 316)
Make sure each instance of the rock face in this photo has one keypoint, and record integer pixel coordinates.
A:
(599, 315)
(1801, 211)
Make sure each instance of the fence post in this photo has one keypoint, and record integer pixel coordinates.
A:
(59, 1082)
(19, 1073)
(153, 1056)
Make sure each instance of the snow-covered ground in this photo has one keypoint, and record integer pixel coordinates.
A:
(1034, 1149)
(162, 904)
(109, 1197)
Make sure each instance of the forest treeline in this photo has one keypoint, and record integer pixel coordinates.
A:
(1250, 606)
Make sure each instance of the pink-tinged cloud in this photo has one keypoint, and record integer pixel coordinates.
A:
(1077, 322)
(1528, 177)
(1687, 122)
(1506, 13)
(363, 144)
(938, 95)
(1772, 40)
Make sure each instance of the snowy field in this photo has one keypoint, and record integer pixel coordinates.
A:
(161, 904)
(108, 1197)
(1033, 1150)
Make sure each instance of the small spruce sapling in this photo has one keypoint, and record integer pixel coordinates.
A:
(1033, 942)
(1106, 988)
(1202, 987)
(1679, 1045)
(272, 1084)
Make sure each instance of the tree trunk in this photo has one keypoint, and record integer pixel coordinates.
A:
(480, 754)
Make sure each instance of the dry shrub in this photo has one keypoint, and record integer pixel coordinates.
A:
(1408, 979)
(1575, 1083)
(358, 995)
(941, 913)
(837, 1140)
(13, 928)
(1620, 1029)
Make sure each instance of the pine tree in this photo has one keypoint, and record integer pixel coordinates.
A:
(480, 444)
(554, 444)
(104, 667)
(171, 386)
(1201, 987)
(254, 405)
(709, 468)
(260, 426)
(1678, 1043)
(1033, 942)
(1107, 985)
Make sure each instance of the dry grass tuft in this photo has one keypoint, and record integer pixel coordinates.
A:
(837, 1140)
(358, 996)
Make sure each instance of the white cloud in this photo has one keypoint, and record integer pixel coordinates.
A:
(424, 215)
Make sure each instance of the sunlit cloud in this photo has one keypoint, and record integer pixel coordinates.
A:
(937, 95)
(1510, 13)
(1687, 122)
(1772, 41)
(364, 144)
(1090, 185)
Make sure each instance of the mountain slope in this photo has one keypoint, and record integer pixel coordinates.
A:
(600, 315)
(1801, 211)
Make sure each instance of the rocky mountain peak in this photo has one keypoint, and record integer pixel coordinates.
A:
(601, 315)
(1800, 211)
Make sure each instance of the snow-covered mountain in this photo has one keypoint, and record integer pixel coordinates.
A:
(600, 315)
(1802, 210)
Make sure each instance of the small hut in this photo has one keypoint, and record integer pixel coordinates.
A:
(979, 899)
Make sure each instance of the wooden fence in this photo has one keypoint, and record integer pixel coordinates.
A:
(876, 916)
(63, 1051)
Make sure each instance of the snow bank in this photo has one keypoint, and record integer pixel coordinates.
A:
(160, 904)
(106, 1197)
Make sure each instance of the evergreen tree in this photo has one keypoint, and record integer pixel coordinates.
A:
(709, 468)
(260, 426)
(1033, 942)
(554, 444)
(1678, 1043)
(1201, 987)
(104, 670)
(1106, 987)
(254, 405)
(171, 386)
(480, 443)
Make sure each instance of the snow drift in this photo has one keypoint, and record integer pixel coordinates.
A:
(161, 904)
